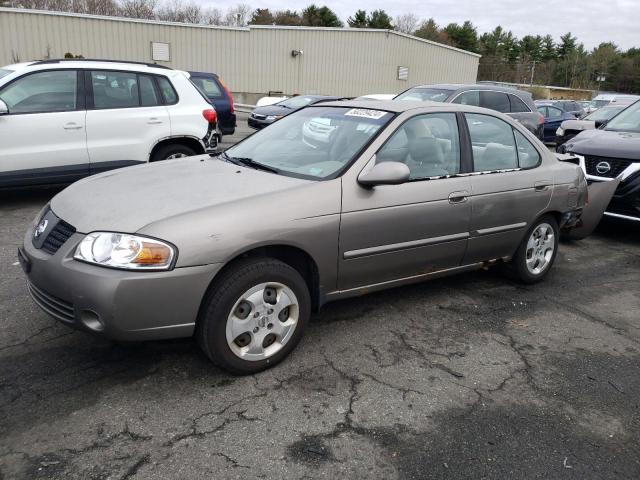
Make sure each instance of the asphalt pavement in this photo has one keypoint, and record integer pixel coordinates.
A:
(472, 376)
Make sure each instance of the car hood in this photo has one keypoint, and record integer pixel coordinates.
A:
(273, 110)
(129, 199)
(578, 125)
(606, 143)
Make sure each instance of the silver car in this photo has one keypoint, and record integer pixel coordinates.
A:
(240, 248)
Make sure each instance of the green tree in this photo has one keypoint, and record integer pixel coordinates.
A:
(314, 16)
(359, 19)
(428, 30)
(287, 17)
(567, 45)
(531, 48)
(379, 19)
(463, 36)
(549, 49)
(490, 43)
(262, 16)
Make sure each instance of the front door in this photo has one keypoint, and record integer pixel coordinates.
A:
(398, 231)
(43, 137)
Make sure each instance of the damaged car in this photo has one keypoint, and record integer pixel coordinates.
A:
(238, 249)
(611, 154)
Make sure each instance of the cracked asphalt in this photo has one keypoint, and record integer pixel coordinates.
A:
(472, 376)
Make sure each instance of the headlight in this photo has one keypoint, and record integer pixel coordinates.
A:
(273, 117)
(560, 131)
(120, 250)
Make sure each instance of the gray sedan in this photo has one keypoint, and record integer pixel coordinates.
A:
(332, 201)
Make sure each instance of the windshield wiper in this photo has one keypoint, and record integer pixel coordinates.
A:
(249, 162)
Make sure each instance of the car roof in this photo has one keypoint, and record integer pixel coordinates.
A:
(399, 106)
(473, 86)
(89, 63)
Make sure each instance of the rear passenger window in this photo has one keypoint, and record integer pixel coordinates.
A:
(168, 92)
(114, 89)
(472, 97)
(148, 96)
(493, 144)
(554, 112)
(528, 156)
(428, 144)
(517, 105)
(497, 101)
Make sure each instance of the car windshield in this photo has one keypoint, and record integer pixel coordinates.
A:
(626, 121)
(605, 113)
(314, 143)
(296, 102)
(425, 94)
(600, 103)
(4, 72)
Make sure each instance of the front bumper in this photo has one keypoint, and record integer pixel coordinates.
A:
(118, 304)
(258, 124)
(625, 202)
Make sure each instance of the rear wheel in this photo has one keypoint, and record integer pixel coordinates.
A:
(537, 252)
(171, 151)
(254, 315)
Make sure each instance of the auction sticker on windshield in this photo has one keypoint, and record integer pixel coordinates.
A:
(366, 113)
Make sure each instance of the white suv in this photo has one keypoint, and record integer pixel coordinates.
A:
(61, 120)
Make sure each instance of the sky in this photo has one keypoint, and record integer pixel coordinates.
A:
(592, 21)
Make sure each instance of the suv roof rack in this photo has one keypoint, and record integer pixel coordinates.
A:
(59, 60)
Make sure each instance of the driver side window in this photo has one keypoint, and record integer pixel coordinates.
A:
(428, 144)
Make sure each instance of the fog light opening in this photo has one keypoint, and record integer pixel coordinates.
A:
(91, 320)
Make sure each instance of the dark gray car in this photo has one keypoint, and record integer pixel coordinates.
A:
(238, 249)
(515, 103)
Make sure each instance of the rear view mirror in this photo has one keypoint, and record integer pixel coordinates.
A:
(4, 110)
(385, 173)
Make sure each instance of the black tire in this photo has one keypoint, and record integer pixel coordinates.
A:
(166, 151)
(517, 268)
(223, 295)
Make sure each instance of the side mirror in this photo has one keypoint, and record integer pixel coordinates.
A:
(385, 173)
(4, 110)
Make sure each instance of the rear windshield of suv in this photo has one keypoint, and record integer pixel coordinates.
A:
(208, 86)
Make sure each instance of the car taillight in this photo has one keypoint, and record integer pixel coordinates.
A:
(540, 119)
(210, 115)
(228, 95)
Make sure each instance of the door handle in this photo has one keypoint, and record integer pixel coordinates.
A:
(541, 186)
(72, 126)
(154, 121)
(458, 197)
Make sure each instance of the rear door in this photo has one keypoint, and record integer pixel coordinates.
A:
(125, 118)
(397, 231)
(508, 189)
(43, 138)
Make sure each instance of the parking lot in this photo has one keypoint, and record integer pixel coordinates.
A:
(473, 376)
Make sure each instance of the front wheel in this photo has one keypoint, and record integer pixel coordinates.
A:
(171, 151)
(537, 252)
(254, 315)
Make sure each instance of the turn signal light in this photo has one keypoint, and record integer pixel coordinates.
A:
(210, 115)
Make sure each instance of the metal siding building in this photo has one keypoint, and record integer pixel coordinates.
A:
(252, 60)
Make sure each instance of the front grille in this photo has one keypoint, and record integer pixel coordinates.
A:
(52, 305)
(58, 235)
(617, 166)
